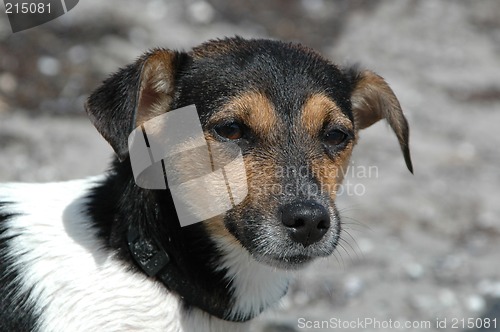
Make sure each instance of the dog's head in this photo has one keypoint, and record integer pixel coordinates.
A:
(294, 115)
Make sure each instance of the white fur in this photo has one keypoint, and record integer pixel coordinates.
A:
(255, 285)
(77, 285)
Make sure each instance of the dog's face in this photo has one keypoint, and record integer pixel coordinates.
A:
(294, 115)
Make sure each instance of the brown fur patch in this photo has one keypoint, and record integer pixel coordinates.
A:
(373, 100)
(219, 47)
(263, 185)
(369, 99)
(319, 109)
(330, 173)
(157, 86)
(254, 110)
(216, 228)
(213, 48)
(261, 180)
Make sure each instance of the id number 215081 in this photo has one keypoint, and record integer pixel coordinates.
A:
(27, 8)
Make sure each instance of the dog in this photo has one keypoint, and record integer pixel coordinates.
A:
(104, 254)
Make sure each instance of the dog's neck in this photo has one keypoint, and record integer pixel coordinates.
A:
(253, 287)
(214, 275)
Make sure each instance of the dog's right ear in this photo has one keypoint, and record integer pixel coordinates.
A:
(134, 95)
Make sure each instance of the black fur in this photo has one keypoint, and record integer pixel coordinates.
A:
(116, 101)
(286, 73)
(118, 202)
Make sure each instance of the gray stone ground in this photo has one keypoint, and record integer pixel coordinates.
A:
(416, 248)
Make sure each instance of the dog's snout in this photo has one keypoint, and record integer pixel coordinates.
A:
(307, 221)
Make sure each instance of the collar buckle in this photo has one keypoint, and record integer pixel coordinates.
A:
(150, 256)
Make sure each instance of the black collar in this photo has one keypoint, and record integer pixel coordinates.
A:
(154, 260)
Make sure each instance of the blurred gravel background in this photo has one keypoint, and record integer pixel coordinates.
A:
(416, 248)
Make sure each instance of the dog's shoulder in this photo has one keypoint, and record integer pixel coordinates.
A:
(18, 311)
(28, 220)
(52, 261)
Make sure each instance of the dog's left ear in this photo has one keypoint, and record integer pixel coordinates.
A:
(372, 100)
(134, 95)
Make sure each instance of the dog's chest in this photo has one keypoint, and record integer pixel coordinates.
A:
(74, 283)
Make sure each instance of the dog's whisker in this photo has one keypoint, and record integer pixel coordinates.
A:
(355, 249)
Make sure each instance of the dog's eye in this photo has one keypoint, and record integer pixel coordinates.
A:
(232, 130)
(335, 137)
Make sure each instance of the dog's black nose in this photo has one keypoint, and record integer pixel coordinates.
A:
(307, 221)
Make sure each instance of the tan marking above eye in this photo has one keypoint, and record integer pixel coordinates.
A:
(319, 109)
(253, 109)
